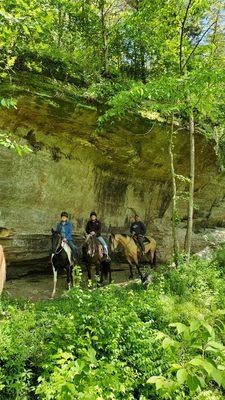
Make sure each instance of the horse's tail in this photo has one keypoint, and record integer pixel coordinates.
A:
(2, 269)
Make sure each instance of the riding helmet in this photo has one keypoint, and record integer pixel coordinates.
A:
(64, 214)
(93, 213)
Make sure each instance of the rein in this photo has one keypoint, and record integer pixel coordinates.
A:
(58, 246)
(58, 251)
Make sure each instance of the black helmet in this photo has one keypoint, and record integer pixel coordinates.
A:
(93, 213)
(64, 214)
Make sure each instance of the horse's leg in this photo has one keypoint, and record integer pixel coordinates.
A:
(110, 272)
(97, 268)
(136, 262)
(139, 272)
(101, 272)
(154, 260)
(68, 278)
(152, 256)
(88, 267)
(131, 271)
(54, 280)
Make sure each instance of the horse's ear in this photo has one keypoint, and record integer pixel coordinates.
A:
(112, 235)
(53, 230)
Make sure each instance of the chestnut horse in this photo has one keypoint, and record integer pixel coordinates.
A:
(132, 252)
(2, 269)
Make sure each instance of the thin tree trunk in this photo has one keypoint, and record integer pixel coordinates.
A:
(188, 237)
(174, 198)
(105, 43)
(60, 28)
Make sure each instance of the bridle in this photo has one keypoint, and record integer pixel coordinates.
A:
(113, 243)
(91, 246)
(58, 246)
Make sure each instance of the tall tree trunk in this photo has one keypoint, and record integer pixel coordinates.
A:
(188, 237)
(184, 72)
(174, 197)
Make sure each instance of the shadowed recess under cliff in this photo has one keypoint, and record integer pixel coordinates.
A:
(121, 170)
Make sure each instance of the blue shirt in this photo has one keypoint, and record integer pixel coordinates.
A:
(65, 230)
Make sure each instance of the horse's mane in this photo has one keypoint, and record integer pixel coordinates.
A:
(123, 234)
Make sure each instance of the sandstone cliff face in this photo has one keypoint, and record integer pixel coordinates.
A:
(117, 172)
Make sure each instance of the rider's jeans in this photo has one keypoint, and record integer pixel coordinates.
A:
(73, 247)
(103, 242)
(140, 239)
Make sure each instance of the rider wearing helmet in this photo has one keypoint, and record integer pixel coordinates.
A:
(94, 227)
(64, 228)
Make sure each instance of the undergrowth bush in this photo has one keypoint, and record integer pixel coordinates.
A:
(161, 342)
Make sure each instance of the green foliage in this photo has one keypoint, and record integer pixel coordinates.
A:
(219, 257)
(166, 341)
(7, 141)
(203, 358)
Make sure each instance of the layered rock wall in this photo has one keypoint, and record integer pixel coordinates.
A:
(117, 171)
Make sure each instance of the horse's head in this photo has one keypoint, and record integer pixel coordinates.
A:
(56, 240)
(113, 242)
(90, 245)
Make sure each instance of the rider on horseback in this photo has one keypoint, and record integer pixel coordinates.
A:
(138, 231)
(94, 227)
(64, 228)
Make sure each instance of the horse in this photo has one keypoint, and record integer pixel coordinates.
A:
(93, 255)
(2, 269)
(61, 259)
(132, 252)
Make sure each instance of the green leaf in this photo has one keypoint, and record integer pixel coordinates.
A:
(167, 343)
(209, 328)
(195, 325)
(179, 326)
(201, 362)
(192, 382)
(182, 376)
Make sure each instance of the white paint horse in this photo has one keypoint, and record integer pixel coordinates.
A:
(61, 259)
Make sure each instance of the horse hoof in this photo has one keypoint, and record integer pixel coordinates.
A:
(131, 277)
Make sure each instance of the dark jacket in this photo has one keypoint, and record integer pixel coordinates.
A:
(68, 229)
(138, 228)
(94, 226)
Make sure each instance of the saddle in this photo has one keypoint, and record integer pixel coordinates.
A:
(146, 241)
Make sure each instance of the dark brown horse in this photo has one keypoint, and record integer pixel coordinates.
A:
(93, 255)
